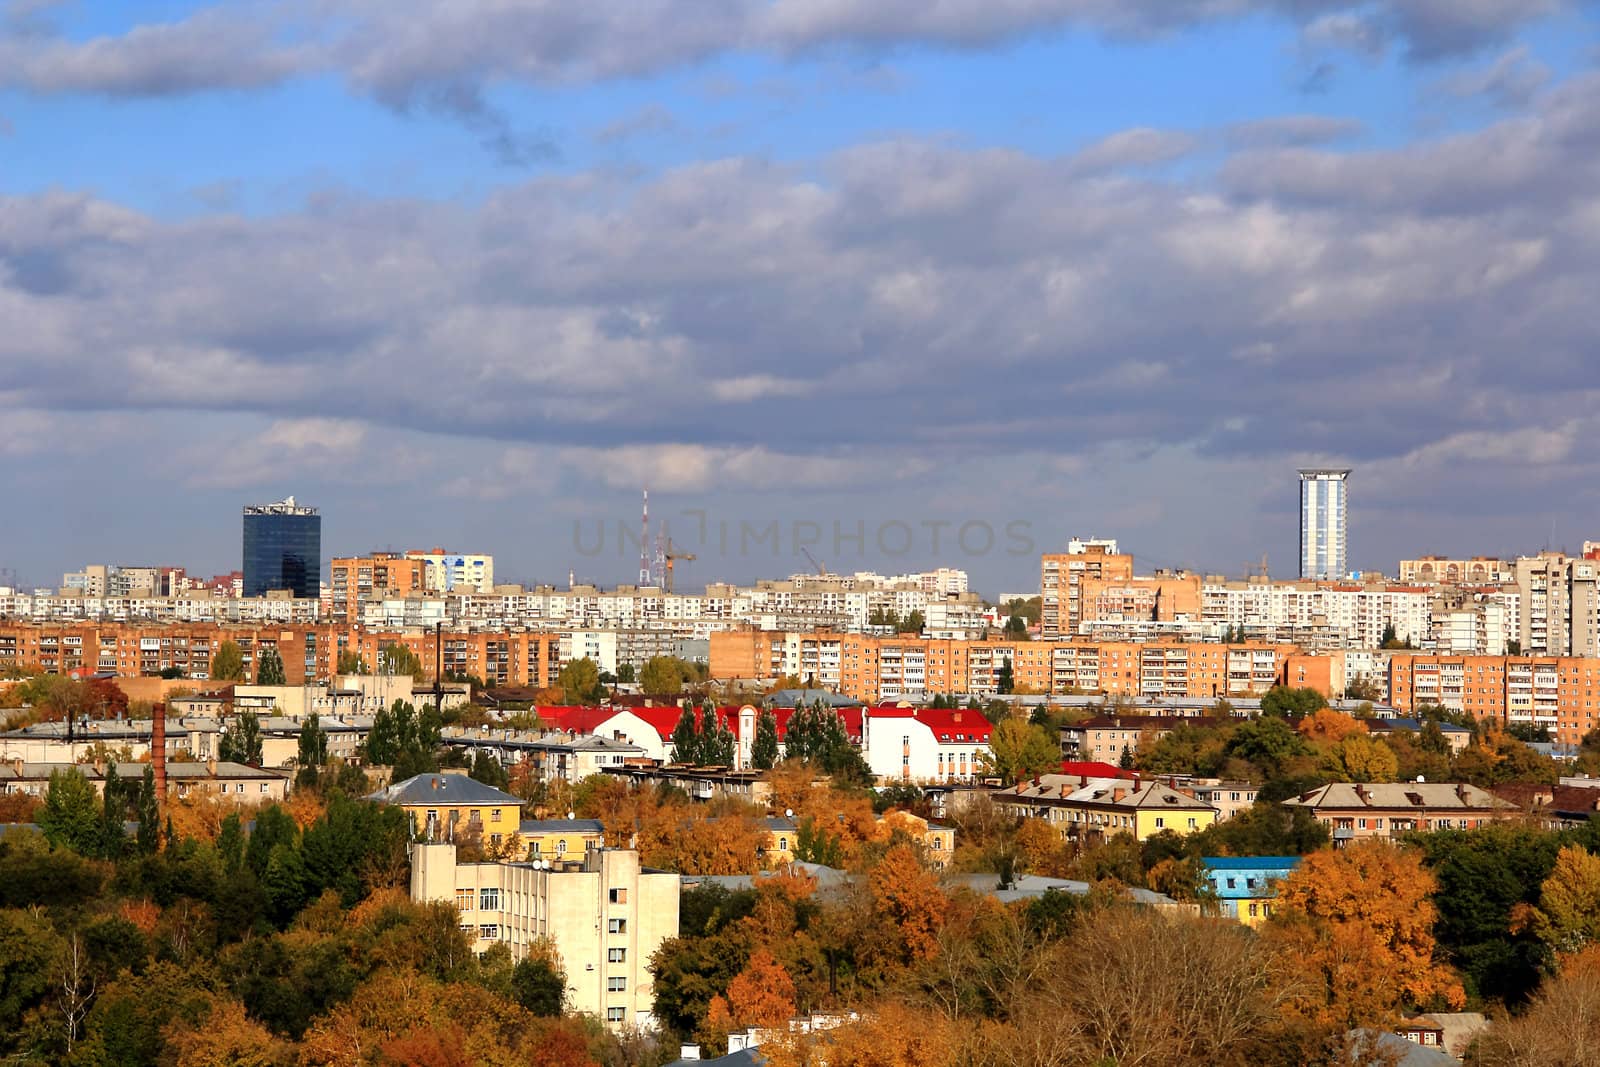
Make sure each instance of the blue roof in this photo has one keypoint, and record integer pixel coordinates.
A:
(1249, 863)
(1398, 723)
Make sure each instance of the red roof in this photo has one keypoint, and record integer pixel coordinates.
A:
(663, 718)
(1091, 769)
(947, 724)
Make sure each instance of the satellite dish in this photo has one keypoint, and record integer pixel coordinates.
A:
(571, 815)
(788, 813)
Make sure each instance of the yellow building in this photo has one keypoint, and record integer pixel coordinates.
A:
(1104, 807)
(445, 806)
(560, 839)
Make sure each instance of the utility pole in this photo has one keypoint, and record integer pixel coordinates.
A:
(438, 668)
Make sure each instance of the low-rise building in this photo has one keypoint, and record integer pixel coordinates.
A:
(1353, 811)
(1107, 738)
(1245, 886)
(605, 916)
(560, 840)
(444, 806)
(236, 782)
(1104, 808)
(924, 745)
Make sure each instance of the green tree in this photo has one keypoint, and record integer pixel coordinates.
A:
(1267, 742)
(269, 668)
(113, 814)
(625, 673)
(487, 769)
(149, 834)
(397, 659)
(404, 739)
(227, 663)
(764, 746)
(1005, 679)
(686, 739)
(350, 662)
(241, 741)
(1017, 750)
(717, 745)
(538, 984)
(1283, 701)
(70, 817)
(913, 623)
(313, 751)
(580, 681)
(663, 676)
(1568, 915)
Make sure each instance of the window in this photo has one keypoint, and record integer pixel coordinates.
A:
(619, 896)
(494, 816)
(464, 899)
(1160, 822)
(783, 844)
(617, 926)
(616, 984)
(616, 955)
(494, 839)
(614, 1015)
(489, 899)
(561, 847)
(489, 932)
(536, 847)
(1253, 911)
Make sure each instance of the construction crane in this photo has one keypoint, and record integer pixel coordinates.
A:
(1253, 569)
(672, 555)
(822, 569)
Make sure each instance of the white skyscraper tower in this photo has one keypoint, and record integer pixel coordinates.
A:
(1323, 497)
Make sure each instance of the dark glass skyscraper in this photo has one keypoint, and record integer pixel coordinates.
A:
(282, 549)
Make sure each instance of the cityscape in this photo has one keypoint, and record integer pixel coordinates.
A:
(786, 533)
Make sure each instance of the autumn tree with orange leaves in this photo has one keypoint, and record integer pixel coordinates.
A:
(1357, 923)
(909, 899)
(762, 994)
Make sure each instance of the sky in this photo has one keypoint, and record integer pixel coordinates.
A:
(905, 283)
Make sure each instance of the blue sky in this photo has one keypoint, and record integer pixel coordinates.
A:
(1094, 267)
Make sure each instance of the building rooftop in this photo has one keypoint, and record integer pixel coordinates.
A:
(443, 789)
(1402, 796)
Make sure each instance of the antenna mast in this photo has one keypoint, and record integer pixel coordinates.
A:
(644, 542)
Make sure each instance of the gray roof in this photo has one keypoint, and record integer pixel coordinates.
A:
(444, 789)
(1401, 796)
(1023, 886)
(786, 698)
(176, 771)
(749, 1057)
(1390, 1048)
(827, 877)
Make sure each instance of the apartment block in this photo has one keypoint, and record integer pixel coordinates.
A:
(353, 579)
(605, 915)
(1061, 577)
(1558, 692)
(308, 652)
(1560, 599)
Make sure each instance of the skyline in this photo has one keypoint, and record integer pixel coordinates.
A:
(470, 280)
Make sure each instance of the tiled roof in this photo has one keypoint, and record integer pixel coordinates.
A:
(1401, 796)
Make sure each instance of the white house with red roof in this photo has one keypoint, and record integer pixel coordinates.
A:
(924, 745)
(651, 727)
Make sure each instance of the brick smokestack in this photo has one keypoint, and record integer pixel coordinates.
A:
(158, 752)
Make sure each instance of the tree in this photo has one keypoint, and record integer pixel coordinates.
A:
(1017, 750)
(1005, 680)
(1362, 758)
(269, 668)
(686, 739)
(625, 673)
(1358, 923)
(538, 982)
(149, 833)
(313, 751)
(1267, 742)
(1016, 628)
(764, 747)
(241, 741)
(1363, 687)
(580, 681)
(913, 623)
(1283, 701)
(350, 662)
(397, 659)
(227, 663)
(70, 816)
(663, 676)
(762, 994)
(1568, 916)
(405, 739)
(909, 899)
(486, 769)
(718, 747)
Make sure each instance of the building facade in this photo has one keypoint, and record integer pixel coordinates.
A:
(605, 916)
(282, 549)
(1323, 507)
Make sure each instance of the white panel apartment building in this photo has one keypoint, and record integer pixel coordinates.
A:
(1354, 615)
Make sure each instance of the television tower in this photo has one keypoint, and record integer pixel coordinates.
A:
(644, 542)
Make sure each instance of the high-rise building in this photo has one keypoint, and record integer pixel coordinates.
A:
(282, 549)
(1322, 523)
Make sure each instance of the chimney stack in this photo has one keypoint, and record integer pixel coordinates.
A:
(158, 752)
